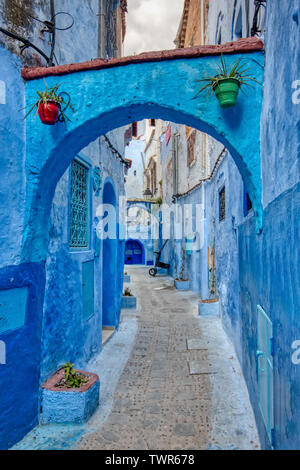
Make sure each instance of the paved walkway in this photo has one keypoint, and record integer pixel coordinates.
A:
(158, 404)
(149, 399)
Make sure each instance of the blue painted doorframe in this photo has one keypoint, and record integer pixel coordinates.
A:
(111, 95)
(110, 266)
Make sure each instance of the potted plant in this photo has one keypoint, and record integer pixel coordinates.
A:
(69, 396)
(182, 283)
(209, 308)
(227, 82)
(126, 277)
(49, 106)
(128, 299)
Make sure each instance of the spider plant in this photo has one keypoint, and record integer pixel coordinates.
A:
(237, 74)
(73, 379)
(51, 95)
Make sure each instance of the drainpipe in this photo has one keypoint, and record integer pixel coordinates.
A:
(143, 161)
(52, 14)
(101, 30)
(175, 162)
(247, 12)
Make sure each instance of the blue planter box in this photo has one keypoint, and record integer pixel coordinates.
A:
(209, 308)
(128, 302)
(127, 279)
(182, 285)
(63, 405)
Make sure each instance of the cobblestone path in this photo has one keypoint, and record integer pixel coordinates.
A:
(158, 404)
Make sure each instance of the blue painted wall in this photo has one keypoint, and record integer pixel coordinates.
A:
(273, 283)
(63, 300)
(273, 280)
(55, 330)
(264, 269)
(19, 377)
(12, 137)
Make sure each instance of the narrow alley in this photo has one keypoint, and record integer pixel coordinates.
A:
(181, 388)
(158, 402)
(149, 226)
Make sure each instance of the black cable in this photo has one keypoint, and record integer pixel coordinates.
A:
(25, 12)
(48, 24)
(25, 42)
(115, 151)
(216, 165)
(50, 28)
(52, 11)
(258, 5)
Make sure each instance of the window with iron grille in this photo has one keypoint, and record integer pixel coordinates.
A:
(79, 206)
(222, 204)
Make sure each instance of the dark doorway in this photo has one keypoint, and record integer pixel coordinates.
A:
(134, 252)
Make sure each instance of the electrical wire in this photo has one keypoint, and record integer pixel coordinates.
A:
(115, 151)
(216, 165)
(48, 24)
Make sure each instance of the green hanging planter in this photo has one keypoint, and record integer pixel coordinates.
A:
(227, 82)
(227, 92)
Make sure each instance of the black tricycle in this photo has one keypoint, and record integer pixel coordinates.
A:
(158, 263)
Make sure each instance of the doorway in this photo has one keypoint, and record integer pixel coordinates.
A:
(110, 266)
(134, 252)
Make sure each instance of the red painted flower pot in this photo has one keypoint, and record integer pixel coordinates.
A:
(48, 112)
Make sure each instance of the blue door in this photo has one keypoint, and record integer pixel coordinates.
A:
(265, 369)
(133, 252)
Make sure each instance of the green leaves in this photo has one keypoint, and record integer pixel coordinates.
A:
(237, 71)
(72, 378)
(127, 293)
(52, 94)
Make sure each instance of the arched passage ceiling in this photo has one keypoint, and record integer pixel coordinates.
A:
(109, 94)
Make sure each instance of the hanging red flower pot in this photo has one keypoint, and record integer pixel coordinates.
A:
(49, 106)
(48, 112)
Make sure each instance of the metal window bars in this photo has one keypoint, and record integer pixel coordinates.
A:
(79, 206)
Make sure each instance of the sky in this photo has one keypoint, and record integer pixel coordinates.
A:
(152, 25)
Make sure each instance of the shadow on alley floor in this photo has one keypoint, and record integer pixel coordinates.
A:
(169, 380)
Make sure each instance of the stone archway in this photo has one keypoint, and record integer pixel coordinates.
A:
(107, 95)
